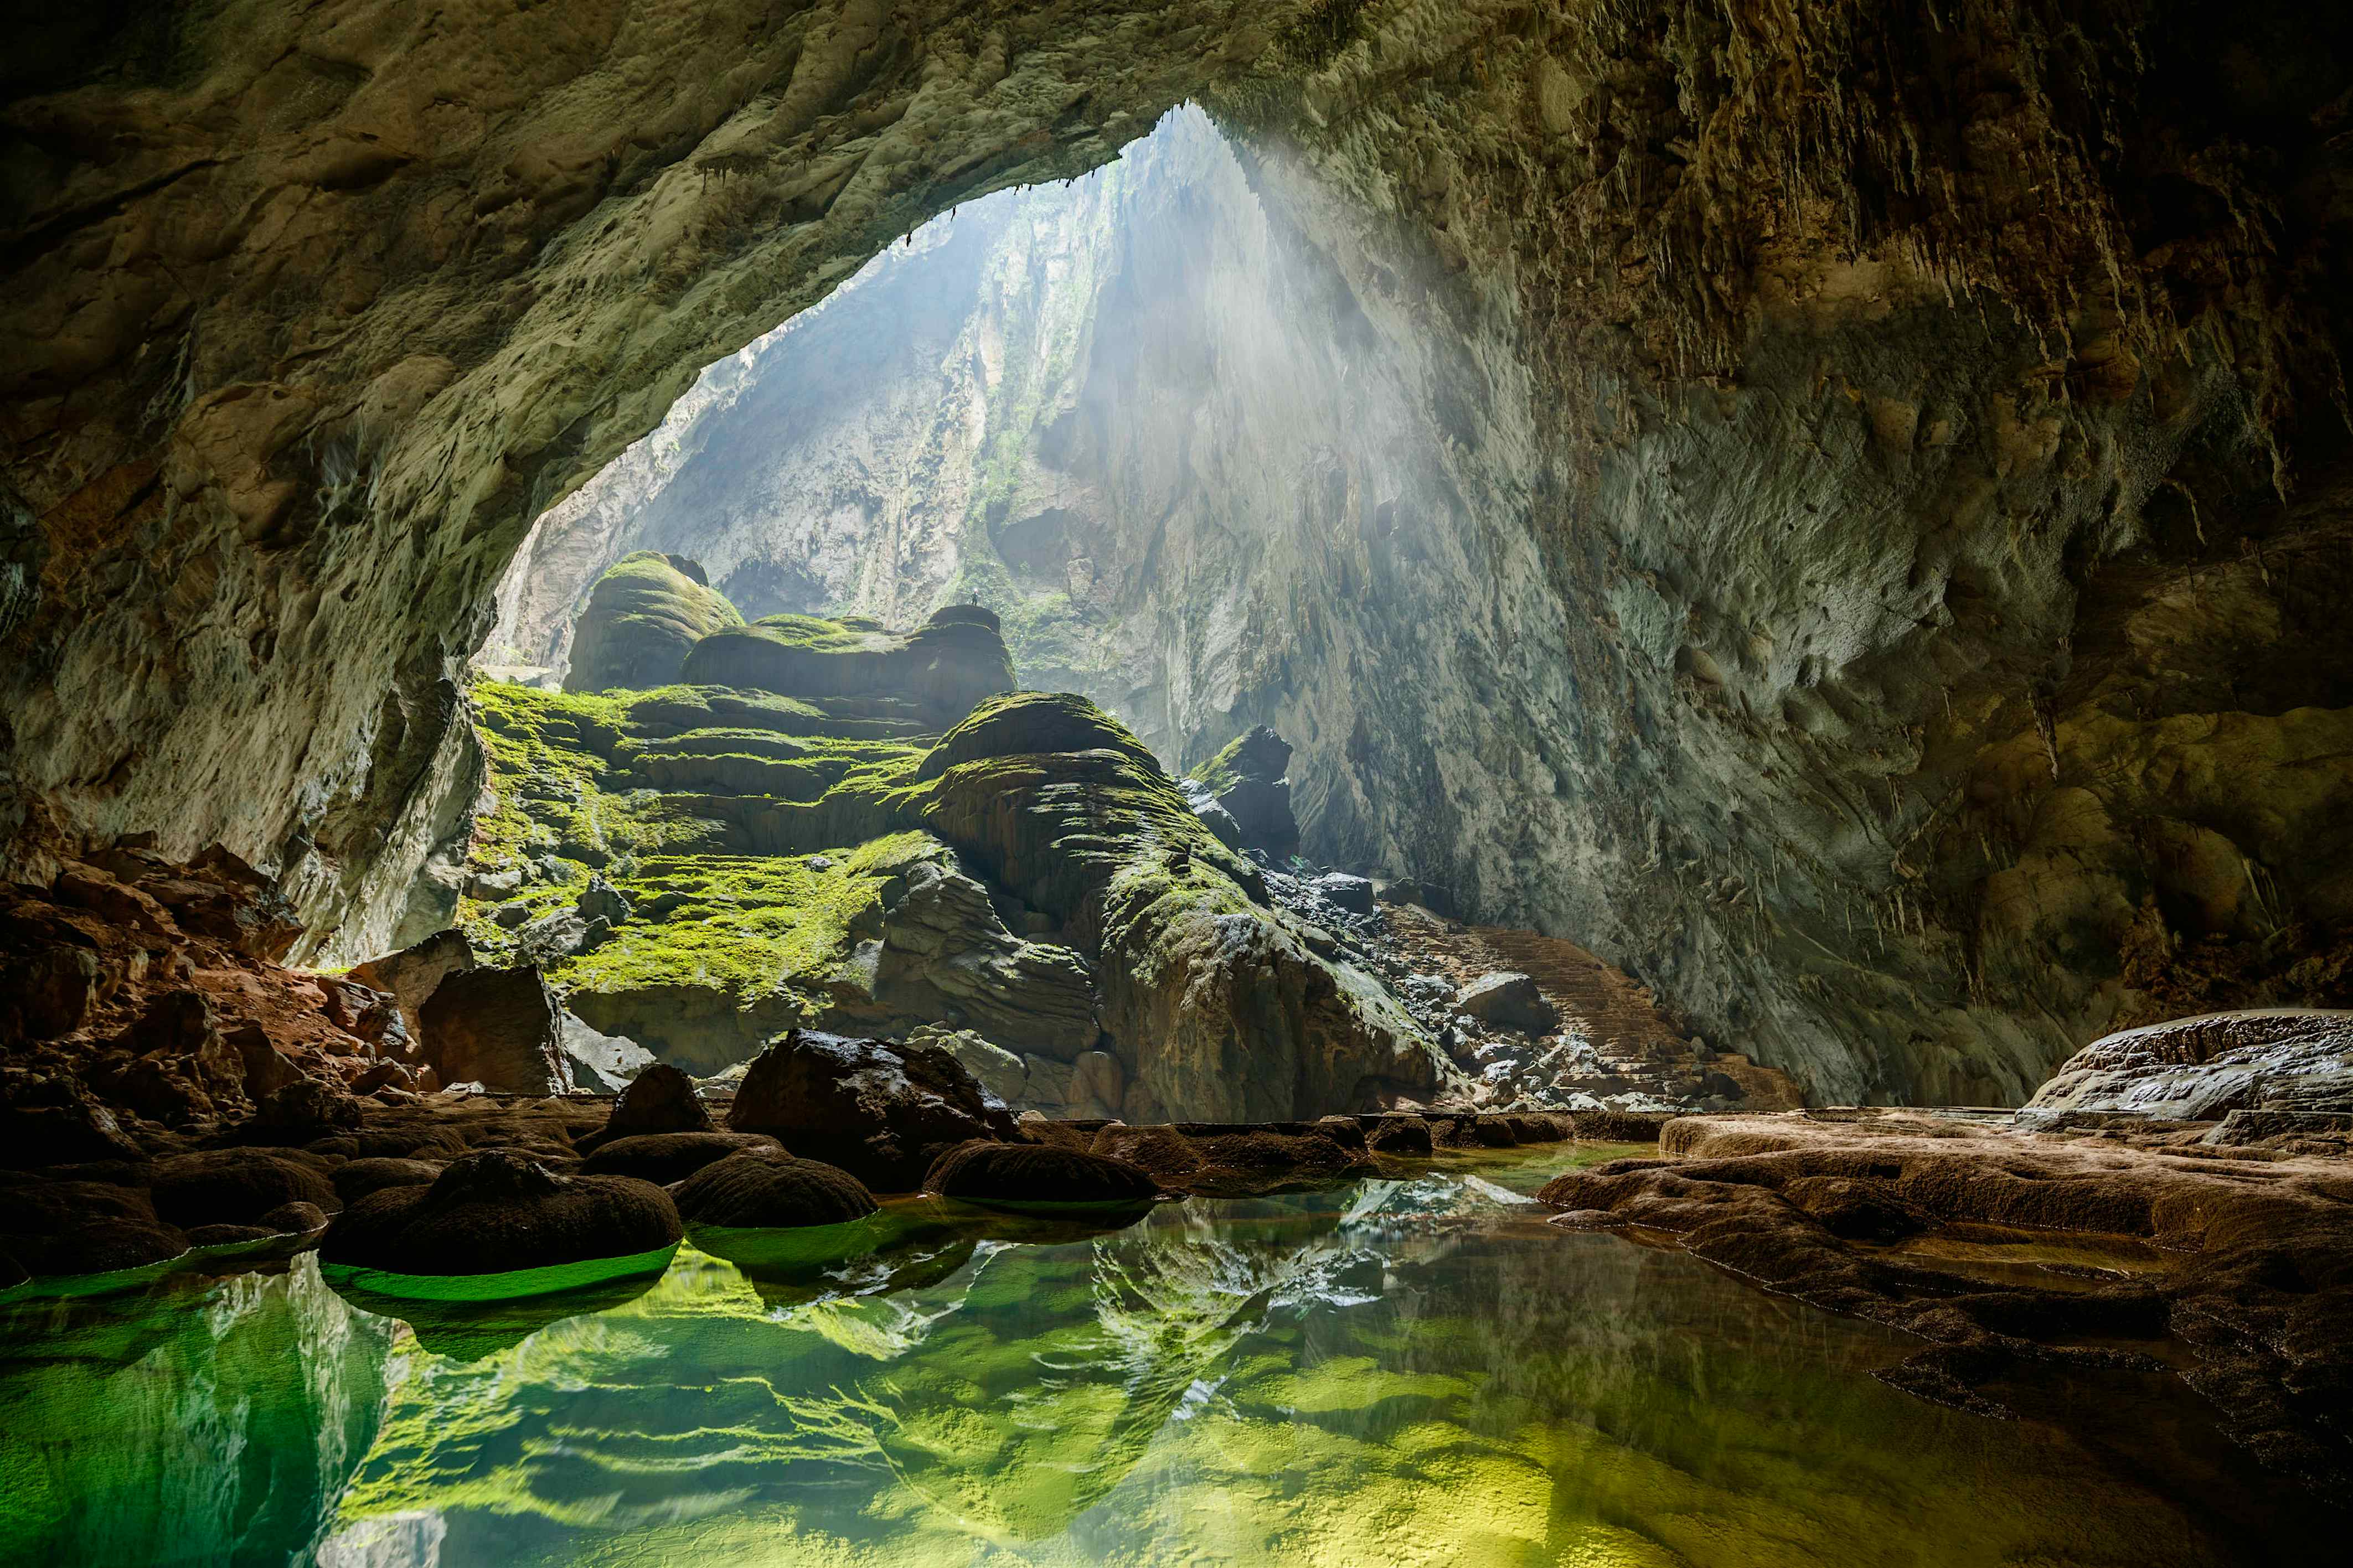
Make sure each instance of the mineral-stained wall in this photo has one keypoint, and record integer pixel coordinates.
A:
(1879, 624)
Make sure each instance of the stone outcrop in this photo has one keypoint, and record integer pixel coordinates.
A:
(2207, 1068)
(1512, 1000)
(500, 1028)
(1246, 780)
(645, 613)
(500, 1213)
(883, 1111)
(2250, 1274)
(944, 667)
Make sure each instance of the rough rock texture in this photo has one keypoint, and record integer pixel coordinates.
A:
(1037, 1176)
(769, 1188)
(660, 1100)
(1246, 781)
(1213, 1001)
(881, 1111)
(942, 667)
(500, 1028)
(663, 1158)
(1844, 410)
(139, 995)
(1906, 1219)
(410, 974)
(2204, 1069)
(646, 612)
(1233, 1161)
(1509, 999)
(497, 1211)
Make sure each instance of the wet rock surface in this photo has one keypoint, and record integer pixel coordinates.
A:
(1038, 1175)
(2129, 1236)
(497, 1211)
(663, 1158)
(881, 1111)
(769, 1188)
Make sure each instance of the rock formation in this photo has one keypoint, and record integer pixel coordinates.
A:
(645, 613)
(2283, 1061)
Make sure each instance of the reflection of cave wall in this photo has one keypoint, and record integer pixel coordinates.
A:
(1807, 473)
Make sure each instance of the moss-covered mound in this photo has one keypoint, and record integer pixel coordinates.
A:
(770, 838)
(941, 669)
(643, 615)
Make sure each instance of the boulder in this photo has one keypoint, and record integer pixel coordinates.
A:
(410, 976)
(355, 1179)
(1510, 1000)
(660, 1100)
(662, 1158)
(497, 1211)
(769, 1188)
(643, 617)
(601, 1063)
(1226, 1159)
(1036, 1176)
(498, 1028)
(49, 993)
(946, 954)
(237, 1186)
(559, 935)
(48, 1119)
(2201, 1068)
(1352, 894)
(883, 1111)
(1246, 779)
(301, 1112)
(603, 901)
(55, 1228)
(998, 1070)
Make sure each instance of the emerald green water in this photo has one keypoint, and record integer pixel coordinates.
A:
(1416, 1372)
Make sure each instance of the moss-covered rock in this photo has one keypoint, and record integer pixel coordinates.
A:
(643, 615)
(946, 666)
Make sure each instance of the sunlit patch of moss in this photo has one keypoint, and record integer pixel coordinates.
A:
(750, 926)
(1222, 772)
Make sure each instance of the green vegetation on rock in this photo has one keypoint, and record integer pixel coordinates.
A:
(643, 615)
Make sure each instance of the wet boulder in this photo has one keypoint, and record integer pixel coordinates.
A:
(237, 1186)
(498, 1028)
(883, 1111)
(497, 1212)
(62, 1228)
(355, 1179)
(663, 1158)
(48, 1119)
(768, 1188)
(1037, 1176)
(1509, 1000)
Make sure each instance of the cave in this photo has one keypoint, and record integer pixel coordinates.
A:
(906, 690)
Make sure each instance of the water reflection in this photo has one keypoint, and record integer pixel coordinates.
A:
(1402, 1370)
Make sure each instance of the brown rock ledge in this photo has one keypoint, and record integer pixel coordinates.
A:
(2001, 1246)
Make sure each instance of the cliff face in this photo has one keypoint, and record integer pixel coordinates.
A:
(1837, 413)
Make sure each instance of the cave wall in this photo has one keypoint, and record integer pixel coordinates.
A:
(1861, 404)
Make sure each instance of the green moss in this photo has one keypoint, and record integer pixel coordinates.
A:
(749, 926)
(1220, 771)
(641, 618)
